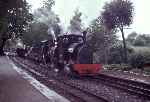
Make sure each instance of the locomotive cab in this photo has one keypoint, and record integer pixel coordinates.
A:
(75, 56)
(65, 50)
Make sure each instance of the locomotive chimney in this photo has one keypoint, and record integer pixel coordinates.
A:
(84, 35)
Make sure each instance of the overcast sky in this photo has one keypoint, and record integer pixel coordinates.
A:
(91, 9)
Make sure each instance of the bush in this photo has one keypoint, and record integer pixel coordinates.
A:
(138, 60)
(116, 54)
(139, 42)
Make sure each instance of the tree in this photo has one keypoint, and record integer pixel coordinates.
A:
(48, 4)
(47, 16)
(5, 5)
(131, 37)
(14, 20)
(45, 25)
(139, 41)
(116, 53)
(100, 40)
(118, 14)
(76, 23)
(145, 37)
(116, 50)
(37, 32)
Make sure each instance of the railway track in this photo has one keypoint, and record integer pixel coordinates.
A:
(91, 96)
(78, 93)
(134, 87)
(130, 86)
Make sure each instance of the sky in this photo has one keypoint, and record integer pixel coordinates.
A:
(91, 9)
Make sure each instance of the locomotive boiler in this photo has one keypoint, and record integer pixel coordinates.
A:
(74, 56)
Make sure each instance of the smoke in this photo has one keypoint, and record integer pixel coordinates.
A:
(49, 18)
(51, 32)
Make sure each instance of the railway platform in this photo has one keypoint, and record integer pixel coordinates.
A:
(17, 86)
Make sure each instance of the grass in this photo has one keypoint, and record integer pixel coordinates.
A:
(141, 49)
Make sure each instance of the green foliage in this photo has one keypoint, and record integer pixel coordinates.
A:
(137, 60)
(76, 23)
(47, 16)
(48, 4)
(36, 33)
(44, 26)
(96, 35)
(142, 40)
(139, 41)
(99, 37)
(14, 20)
(14, 17)
(100, 40)
(131, 37)
(117, 13)
(18, 20)
(142, 49)
(115, 55)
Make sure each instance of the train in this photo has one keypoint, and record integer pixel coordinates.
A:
(69, 53)
(21, 50)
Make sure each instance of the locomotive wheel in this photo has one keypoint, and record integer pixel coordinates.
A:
(67, 69)
(60, 66)
(73, 73)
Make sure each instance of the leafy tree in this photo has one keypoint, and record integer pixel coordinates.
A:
(15, 18)
(96, 34)
(76, 23)
(145, 37)
(37, 32)
(47, 16)
(45, 25)
(139, 59)
(131, 37)
(48, 4)
(5, 5)
(100, 40)
(115, 55)
(118, 14)
(139, 41)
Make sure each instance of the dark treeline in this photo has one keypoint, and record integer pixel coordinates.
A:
(136, 39)
(14, 20)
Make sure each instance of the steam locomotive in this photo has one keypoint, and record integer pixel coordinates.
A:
(69, 53)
